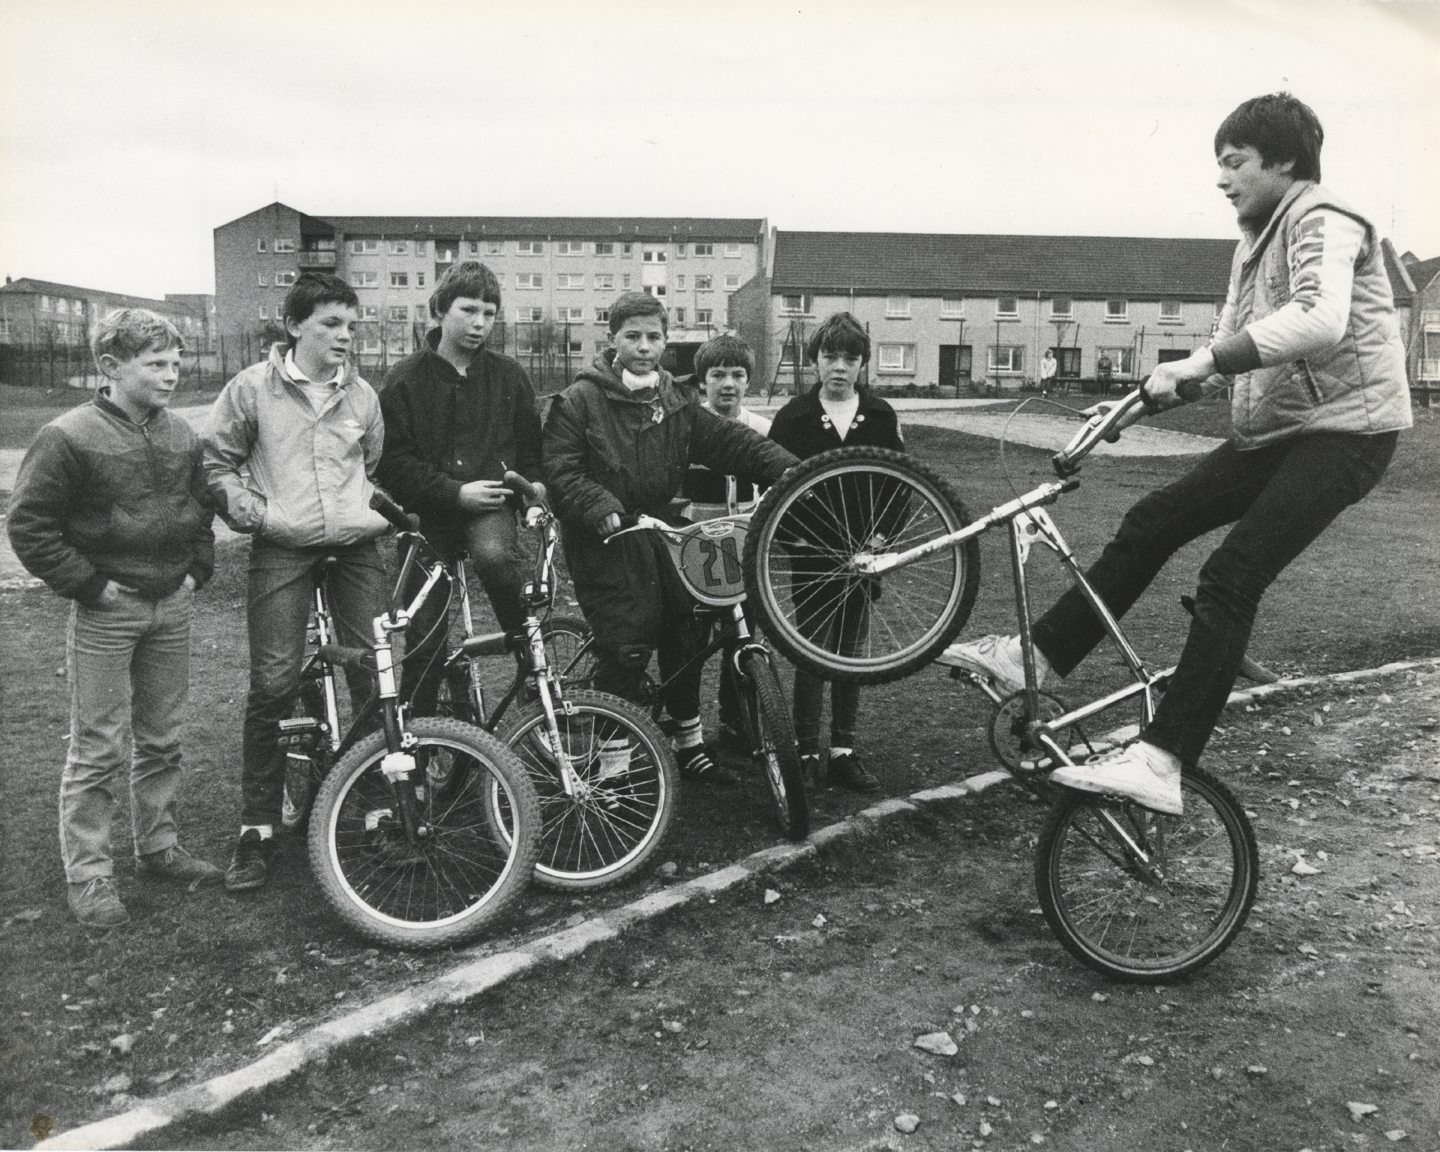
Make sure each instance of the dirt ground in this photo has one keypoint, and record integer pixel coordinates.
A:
(760, 1022)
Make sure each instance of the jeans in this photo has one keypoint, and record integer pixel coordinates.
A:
(492, 539)
(129, 669)
(840, 625)
(1280, 497)
(279, 599)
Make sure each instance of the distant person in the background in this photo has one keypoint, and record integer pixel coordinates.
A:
(1048, 367)
(1309, 341)
(1103, 372)
(110, 510)
(835, 413)
(722, 370)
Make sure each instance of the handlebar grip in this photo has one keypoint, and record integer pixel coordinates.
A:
(381, 502)
(1191, 390)
(519, 484)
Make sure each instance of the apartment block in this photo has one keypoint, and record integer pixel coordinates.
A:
(46, 312)
(558, 275)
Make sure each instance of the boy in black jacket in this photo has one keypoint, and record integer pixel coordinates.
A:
(618, 441)
(456, 416)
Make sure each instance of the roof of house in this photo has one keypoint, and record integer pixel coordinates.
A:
(931, 263)
(1423, 271)
(53, 288)
(542, 227)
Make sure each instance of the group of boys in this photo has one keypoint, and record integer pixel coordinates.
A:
(114, 501)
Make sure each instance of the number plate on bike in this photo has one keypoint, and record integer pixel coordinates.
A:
(709, 561)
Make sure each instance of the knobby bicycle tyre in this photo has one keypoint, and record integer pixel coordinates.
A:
(772, 740)
(450, 884)
(616, 821)
(819, 610)
(305, 769)
(1112, 917)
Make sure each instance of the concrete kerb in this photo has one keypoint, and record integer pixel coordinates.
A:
(486, 973)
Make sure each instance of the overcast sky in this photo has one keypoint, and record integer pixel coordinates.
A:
(130, 129)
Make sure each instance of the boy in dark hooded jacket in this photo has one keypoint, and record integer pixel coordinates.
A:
(618, 442)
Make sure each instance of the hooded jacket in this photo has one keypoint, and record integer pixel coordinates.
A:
(1351, 379)
(295, 477)
(99, 497)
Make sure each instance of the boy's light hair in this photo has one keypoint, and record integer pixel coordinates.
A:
(470, 279)
(724, 351)
(125, 333)
(632, 304)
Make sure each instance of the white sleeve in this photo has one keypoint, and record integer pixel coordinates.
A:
(1322, 254)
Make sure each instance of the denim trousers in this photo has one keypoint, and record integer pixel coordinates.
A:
(1279, 497)
(492, 539)
(129, 671)
(280, 597)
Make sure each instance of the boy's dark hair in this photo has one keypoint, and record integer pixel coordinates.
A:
(632, 304)
(469, 278)
(125, 333)
(840, 333)
(724, 351)
(1280, 128)
(310, 290)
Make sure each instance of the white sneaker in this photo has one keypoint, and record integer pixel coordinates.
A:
(1141, 772)
(997, 658)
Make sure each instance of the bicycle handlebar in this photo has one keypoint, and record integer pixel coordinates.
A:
(381, 502)
(1107, 426)
(519, 484)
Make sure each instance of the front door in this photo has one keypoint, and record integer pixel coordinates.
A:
(955, 360)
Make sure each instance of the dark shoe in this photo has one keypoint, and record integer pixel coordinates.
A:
(810, 769)
(846, 771)
(695, 764)
(176, 864)
(96, 904)
(250, 865)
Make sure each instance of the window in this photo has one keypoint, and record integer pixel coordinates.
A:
(474, 247)
(732, 283)
(364, 247)
(703, 316)
(680, 282)
(626, 249)
(601, 345)
(1007, 308)
(602, 315)
(264, 312)
(399, 247)
(530, 247)
(732, 251)
(1170, 312)
(262, 245)
(420, 247)
(704, 283)
(794, 305)
(570, 248)
(529, 315)
(396, 345)
(284, 279)
(399, 279)
(1007, 358)
(572, 315)
(680, 251)
(576, 347)
(605, 281)
(704, 249)
(494, 247)
(653, 255)
(422, 312)
(1061, 306)
(604, 248)
(370, 346)
(895, 357)
(261, 281)
(45, 303)
(952, 307)
(896, 308)
(625, 280)
(398, 313)
(369, 312)
(364, 279)
(656, 290)
(420, 279)
(284, 244)
(1121, 361)
(569, 281)
(529, 280)
(1117, 311)
(679, 315)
